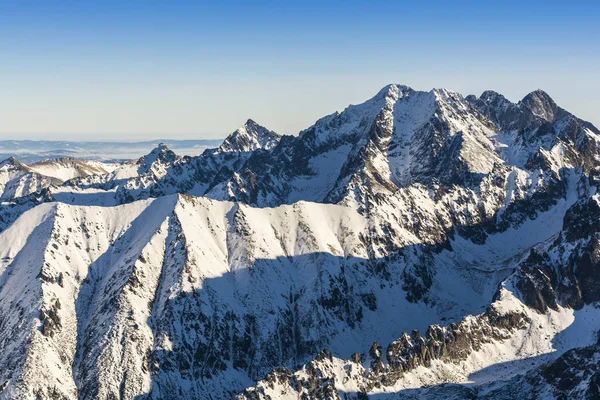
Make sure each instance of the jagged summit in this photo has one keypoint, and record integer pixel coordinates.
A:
(540, 104)
(537, 104)
(249, 137)
(489, 97)
(12, 161)
(161, 153)
(162, 146)
(490, 94)
(393, 90)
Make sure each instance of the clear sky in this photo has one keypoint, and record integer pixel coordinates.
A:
(133, 70)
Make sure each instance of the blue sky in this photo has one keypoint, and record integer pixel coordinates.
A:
(132, 70)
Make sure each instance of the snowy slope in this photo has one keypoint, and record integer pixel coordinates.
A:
(64, 169)
(18, 179)
(112, 289)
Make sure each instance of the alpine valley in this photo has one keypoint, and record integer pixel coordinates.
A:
(418, 245)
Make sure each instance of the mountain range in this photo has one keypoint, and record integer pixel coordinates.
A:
(32, 151)
(417, 245)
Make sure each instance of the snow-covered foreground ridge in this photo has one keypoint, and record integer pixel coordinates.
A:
(111, 301)
(414, 240)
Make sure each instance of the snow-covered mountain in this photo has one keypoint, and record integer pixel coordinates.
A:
(248, 138)
(18, 179)
(418, 245)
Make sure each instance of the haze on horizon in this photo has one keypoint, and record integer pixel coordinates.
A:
(194, 70)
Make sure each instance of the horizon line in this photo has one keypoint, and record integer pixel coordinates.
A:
(106, 141)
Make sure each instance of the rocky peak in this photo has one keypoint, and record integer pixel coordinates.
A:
(249, 137)
(13, 162)
(443, 93)
(162, 146)
(160, 154)
(540, 104)
(498, 109)
(393, 92)
(493, 98)
(490, 95)
(537, 108)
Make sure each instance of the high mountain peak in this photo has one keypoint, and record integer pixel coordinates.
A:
(251, 124)
(393, 89)
(162, 146)
(540, 94)
(443, 92)
(161, 153)
(249, 137)
(535, 109)
(540, 104)
(491, 96)
(13, 162)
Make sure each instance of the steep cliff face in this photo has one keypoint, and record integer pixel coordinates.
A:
(414, 240)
